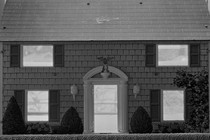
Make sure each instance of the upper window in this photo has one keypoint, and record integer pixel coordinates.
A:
(173, 105)
(37, 106)
(172, 55)
(37, 55)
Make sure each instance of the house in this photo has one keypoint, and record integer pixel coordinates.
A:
(48, 46)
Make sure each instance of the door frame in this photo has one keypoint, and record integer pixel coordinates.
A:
(121, 82)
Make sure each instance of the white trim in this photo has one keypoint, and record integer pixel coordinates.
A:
(121, 82)
(97, 70)
(1, 87)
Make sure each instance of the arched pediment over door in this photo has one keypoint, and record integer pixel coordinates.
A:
(120, 79)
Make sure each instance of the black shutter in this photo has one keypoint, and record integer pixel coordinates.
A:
(155, 111)
(15, 56)
(188, 107)
(54, 106)
(58, 55)
(150, 55)
(20, 98)
(195, 55)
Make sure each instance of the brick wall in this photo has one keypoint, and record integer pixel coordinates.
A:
(80, 57)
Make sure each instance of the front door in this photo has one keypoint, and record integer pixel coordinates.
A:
(105, 109)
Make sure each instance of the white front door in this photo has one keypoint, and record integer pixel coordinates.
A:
(105, 108)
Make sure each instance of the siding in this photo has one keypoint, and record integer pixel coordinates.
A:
(80, 57)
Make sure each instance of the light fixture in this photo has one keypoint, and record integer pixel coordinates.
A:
(74, 91)
(136, 90)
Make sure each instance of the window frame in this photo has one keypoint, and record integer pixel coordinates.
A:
(21, 55)
(188, 53)
(161, 105)
(26, 106)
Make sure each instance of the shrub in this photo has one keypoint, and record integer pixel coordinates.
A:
(13, 122)
(141, 121)
(37, 128)
(71, 123)
(59, 130)
(197, 85)
(172, 127)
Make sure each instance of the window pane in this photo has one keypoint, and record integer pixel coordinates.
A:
(38, 55)
(173, 105)
(105, 109)
(37, 109)
(172, 55)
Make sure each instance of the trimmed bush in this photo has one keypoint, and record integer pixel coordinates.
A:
(38, 128)
(141, 121)
(13, 122)
(71, 123)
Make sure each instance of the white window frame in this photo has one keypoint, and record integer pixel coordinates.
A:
(122, 98)
(161, 99)
(21, 55)
(26, 105)
(188, 63)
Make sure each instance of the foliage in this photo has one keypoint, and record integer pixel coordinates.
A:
(71, 123)
(172, 127)
(13, 122)
(37, 128)
(141, 121)
(188, 136)
(59, 130)
(197, 85)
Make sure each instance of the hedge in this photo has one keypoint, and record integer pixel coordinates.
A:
(188, 136)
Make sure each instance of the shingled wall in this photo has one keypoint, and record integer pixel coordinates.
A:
(80, 57)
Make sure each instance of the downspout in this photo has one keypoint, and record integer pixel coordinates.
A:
(2, 3)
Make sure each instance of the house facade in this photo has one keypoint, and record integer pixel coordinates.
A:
(49, 46)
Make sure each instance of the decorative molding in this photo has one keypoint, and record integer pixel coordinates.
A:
(89, 98)
(112, 69)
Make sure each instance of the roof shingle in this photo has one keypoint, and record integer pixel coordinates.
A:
(72, 20)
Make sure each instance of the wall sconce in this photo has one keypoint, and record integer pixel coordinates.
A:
(136, 90)
(74, 91)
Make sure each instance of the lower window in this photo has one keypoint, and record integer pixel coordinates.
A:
(173, 105)
(37, 106)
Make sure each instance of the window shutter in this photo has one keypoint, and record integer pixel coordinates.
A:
(155, 112)
(20, 97)
(54, 106)
(150, 55)
(195, 55)
(58, 55)
(15, 55)
(188, 107)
